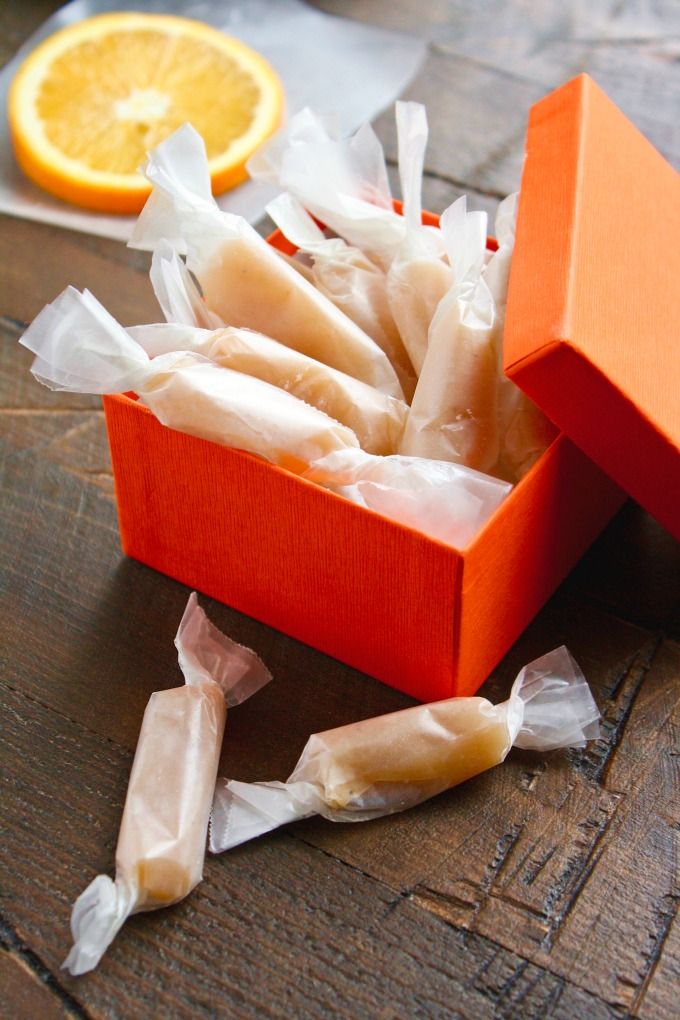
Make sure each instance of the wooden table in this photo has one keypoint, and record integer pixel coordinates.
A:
(545, 888)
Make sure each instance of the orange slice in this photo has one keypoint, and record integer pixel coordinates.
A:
(87, 105)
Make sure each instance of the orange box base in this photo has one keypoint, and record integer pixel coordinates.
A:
(421, 616)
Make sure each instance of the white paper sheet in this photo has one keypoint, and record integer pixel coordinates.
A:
(336, 65)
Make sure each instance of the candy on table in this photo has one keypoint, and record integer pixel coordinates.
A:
(162, 838)
(389, 763)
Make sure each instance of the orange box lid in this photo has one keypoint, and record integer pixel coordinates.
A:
(592, 332)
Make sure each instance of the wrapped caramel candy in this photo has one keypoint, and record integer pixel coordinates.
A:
(162, 838)
(343, 182)
(387, 764)
(419, 275)
(348, 278)
(446, 501)
(243, 279)
(81, 348)
(454, 413)
(376, 418)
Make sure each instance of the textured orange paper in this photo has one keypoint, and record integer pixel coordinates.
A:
(419, 615)
(593, 325)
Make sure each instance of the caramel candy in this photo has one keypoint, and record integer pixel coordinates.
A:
(243, 279)
(376, 419)
(81, 348)
(379, 766)
(454, 414)
(440, 745)
(206, 400)
(348, 278)
(415, 286)
(161, 843)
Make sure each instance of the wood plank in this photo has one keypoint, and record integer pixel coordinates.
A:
(18, 389)
(477, 137)
(75, 440)
(559, 868)
(39, 261)
(490, 64)
(276, 928)
(17, 22)
(658, 1000)
(29, 997)
(631, 896)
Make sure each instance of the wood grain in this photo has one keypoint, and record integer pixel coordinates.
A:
(275, 929)
(546, 888)
(27, 995)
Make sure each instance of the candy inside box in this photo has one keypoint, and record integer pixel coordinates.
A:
(592, 311)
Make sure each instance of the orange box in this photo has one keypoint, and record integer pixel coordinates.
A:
(419, 615)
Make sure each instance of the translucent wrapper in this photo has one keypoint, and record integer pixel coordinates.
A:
(446, 501)
(524, 431)
(348, 278)
(341, 181)
(162, 839)
(454, 413)
(387, 764)
(418, 275)
(81, 348)
(235, 267)
(376, 418)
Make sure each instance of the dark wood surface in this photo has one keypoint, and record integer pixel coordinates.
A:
(545, 888)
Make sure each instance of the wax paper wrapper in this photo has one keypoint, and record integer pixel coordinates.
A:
(376, 418)
(454, 413)
(310, 50)
(389, 763)
(418, 275)
(446, 501)
(161, 844)
(81, 348)
(342, 181)
(235, 267)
